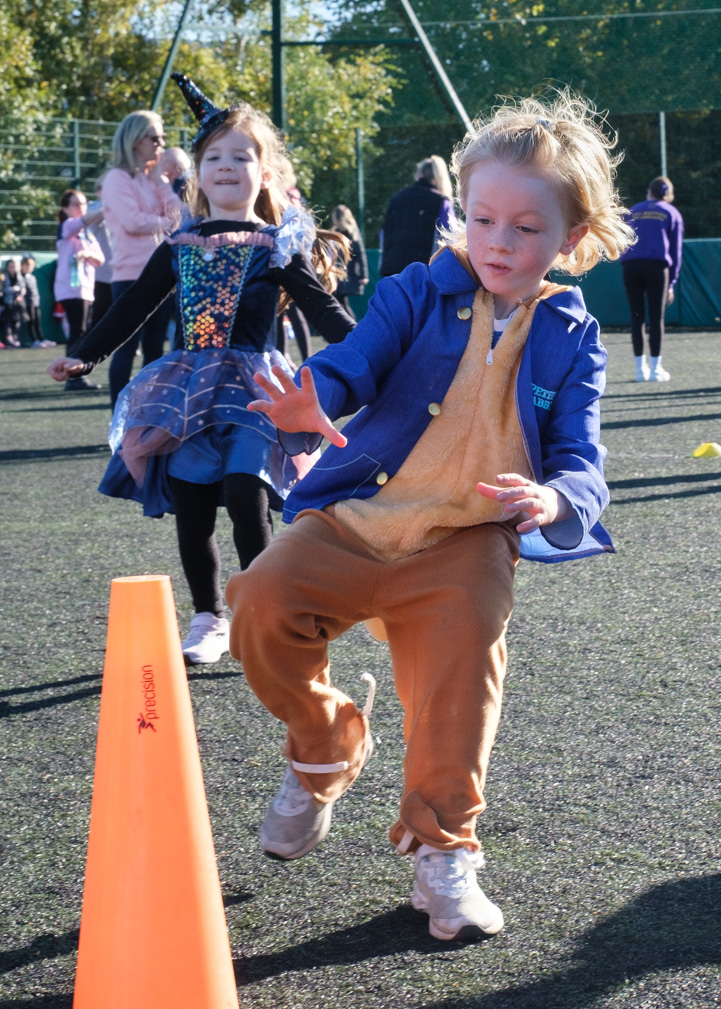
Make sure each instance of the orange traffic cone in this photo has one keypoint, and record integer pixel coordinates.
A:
(153, 931)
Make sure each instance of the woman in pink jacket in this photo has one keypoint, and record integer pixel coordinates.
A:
(74, 286)
(139, 212)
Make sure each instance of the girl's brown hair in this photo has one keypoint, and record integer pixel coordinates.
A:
(271, 201)
(561, 136)
(330, 250)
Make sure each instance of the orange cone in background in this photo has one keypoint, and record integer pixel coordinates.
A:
(153, 932)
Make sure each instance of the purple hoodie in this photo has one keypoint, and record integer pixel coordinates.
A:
(659, 227)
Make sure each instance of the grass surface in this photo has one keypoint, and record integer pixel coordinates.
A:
(602, 830)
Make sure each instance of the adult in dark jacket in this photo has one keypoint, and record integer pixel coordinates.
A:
(343, 221)
(414, 215)
(650, 270)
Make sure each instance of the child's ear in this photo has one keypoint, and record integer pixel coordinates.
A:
(265, 179)
(573, 237)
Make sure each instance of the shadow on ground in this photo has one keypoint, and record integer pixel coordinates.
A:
(673, 926)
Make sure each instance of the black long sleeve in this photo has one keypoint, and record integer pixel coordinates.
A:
(129, 312)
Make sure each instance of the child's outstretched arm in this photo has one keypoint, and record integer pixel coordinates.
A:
(535, 504)
(295, 410)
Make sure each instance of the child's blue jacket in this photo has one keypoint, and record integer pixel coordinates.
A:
(401, 359)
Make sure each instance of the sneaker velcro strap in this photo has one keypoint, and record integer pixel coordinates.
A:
(342, 765)
(371, 681)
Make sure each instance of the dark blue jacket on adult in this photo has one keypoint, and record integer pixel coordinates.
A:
(410, 226)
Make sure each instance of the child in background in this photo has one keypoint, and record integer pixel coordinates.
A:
(182, 427)
(343, 221)
(479, 381)
(74, 285)
(14, 303)
(32, 303)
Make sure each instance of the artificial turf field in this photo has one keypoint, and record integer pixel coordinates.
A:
(603, 827)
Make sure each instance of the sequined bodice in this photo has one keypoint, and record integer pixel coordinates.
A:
(211, 282)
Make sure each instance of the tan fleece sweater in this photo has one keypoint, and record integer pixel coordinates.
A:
(474, 435)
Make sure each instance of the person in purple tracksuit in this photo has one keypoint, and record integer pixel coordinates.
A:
(650, 270)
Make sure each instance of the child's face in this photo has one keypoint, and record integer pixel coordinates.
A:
(231, 176)
(77, 206)
(516, 227)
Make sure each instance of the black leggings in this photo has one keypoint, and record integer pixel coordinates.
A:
(150, 336)
(301, 330)
(77, 312)
(196, 506)
(646, 280)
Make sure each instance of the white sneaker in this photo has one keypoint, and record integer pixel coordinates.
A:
(296, 822)
(642, 373)
(447, 890)
(642, 369)
(659, 374)
(208, 639)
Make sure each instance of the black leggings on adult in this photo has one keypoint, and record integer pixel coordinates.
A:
(646, 281)
(196, 506)
(77, 312)
(150, 336)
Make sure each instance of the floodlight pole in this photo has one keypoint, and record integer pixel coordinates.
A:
(436, 63)
(158, 96)
(278, 59)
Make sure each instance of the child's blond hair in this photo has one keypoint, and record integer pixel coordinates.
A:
(561, 136)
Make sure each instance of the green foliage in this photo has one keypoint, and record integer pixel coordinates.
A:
(101, 60)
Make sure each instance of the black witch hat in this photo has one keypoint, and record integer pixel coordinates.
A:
(209, 116)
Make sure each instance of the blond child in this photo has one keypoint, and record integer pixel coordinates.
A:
(475, 382)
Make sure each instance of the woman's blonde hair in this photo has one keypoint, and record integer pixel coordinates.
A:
(435, 171)
(561, 136)
(343, 220)
(130, 132)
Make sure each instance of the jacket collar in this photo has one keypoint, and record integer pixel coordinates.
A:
(451, 277)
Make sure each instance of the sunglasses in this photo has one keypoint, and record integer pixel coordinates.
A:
(155, 139)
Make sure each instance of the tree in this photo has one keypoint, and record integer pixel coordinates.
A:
(628, 56)
(101, 60)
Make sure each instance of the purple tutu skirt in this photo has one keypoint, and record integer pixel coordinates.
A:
(187, 414)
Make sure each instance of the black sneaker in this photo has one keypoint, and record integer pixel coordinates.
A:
(80, 384)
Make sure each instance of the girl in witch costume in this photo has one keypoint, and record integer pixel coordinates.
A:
(183, 440)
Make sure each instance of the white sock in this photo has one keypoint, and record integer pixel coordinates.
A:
(641, 367)
(655, 363)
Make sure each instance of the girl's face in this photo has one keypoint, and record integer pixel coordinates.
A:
(517, 226)
(77, 205)
(231, 176)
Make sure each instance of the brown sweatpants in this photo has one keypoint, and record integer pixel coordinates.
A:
(446, 610)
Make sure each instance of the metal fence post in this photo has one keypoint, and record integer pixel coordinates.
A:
(76, 152)
(662, 142)
(360, 181)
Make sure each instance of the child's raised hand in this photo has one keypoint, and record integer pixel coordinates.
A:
(293, 409)
(535, 504)
(63, 368)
